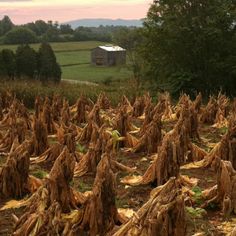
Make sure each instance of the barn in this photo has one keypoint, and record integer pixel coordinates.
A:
(108, 56)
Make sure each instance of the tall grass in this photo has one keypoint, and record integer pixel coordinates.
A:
(26, 91)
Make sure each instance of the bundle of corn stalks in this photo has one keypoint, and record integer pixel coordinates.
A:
(209, 112)
(7, 99)
(151, 138)
(40, 137)
(138, 106)
(89, 133)
(167, 108)
(197, 103)
(163, 214)
(38, 106)
(57, 104)
(65, 113)
(14, 174)
(49, 156)
(1, 108)
(16, 111)
(79, 116)
(226, 148)
(123, 123)
(148, 117)
(224, 193)
(100, 214)
(103, 101)
(43, 213)
(88, 162)
(47, 116)
(222, 112)
(67, 136)
(17, 130)
(125, 102)
(94, 115)
(167, 162)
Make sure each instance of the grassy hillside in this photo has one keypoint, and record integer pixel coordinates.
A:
(74, 58)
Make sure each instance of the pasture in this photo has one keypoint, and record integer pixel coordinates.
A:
(74, 58)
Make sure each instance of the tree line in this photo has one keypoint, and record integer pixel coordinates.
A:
(41, 31)
(185, 46)
(26, 63)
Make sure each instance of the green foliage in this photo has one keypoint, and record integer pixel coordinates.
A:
(5, 25)
(131, 39)
(26, 61)
(81, 148)
(191, 45)
(48, 68)
(20, 35)
(196, 213)
(41, 174)
(198, 195)
(9, 63)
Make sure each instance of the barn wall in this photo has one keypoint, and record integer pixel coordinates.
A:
(99, 57)
(106, 58)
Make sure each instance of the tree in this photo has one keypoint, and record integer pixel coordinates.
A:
(5, 25)
(191, 45)
(26, 62)
(131, 39)
(66, 29)
(9, 62)
(3, 70)
(49, 69)
(20, 35)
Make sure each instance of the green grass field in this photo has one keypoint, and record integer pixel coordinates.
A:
(74, 58)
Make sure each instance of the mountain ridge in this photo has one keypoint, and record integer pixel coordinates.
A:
(96, 22)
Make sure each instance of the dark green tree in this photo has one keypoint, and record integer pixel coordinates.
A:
(191, 45)
(66, 29)
(49, 69)
(9, 61)
(3, 69)
(5, 25)
(26, 62)
(20, 35)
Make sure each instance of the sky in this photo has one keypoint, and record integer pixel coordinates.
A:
(23, 11)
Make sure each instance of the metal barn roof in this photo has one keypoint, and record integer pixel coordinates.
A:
(112, 48)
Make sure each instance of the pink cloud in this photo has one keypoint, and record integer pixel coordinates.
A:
(66, 13)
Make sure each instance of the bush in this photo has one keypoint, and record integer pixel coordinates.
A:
(20, 35)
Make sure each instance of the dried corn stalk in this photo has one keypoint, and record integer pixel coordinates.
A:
(209, 112)
(151, 139)
(43, 213)
(100, 213)
(65, 113)
(14, 174)
(167, 163)
(80, 113)
(94, 115)
(40, 137)
(224, 193)
(49, 156)
(163, 214)
(88, 162)
(47, 116)
(220, 119)
(226, 148)
(103, 101)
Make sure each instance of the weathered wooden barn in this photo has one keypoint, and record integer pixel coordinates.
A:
(108, 56)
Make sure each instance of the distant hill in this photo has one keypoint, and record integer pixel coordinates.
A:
(97, 22)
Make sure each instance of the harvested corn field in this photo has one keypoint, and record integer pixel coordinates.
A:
(141, 168)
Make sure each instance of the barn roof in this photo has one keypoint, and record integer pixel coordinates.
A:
(112, 48)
